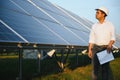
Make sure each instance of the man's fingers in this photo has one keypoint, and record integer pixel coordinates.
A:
(90, 55)
(108, 49)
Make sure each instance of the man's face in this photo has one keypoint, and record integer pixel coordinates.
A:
(99, 15)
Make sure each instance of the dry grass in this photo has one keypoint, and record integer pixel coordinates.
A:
(51, 71)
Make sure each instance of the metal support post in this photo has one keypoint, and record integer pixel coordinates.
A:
(76, 56)
(20, 64)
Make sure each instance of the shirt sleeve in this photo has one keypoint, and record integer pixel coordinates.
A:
(92, 36)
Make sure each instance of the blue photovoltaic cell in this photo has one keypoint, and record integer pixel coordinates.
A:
(7, 35)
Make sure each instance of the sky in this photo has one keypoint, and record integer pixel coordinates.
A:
(86, 9)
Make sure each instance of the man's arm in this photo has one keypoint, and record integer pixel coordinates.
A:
(109, 47)
(90, 50)
(91, 41)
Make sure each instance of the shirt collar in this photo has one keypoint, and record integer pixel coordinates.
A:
(102, 23)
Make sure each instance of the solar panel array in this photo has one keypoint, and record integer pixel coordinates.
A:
(41, 22)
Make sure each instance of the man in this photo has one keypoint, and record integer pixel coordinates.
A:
(102, 37)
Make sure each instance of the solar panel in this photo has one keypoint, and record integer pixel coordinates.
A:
(39, 21)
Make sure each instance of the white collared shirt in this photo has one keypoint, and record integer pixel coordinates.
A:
(101, 34)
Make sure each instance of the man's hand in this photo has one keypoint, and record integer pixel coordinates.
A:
(90, 53)
(90, 50)
(109, 48)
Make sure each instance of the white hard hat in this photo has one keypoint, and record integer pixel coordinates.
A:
(103, 9)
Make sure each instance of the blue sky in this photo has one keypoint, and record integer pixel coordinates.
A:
(86, 9)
